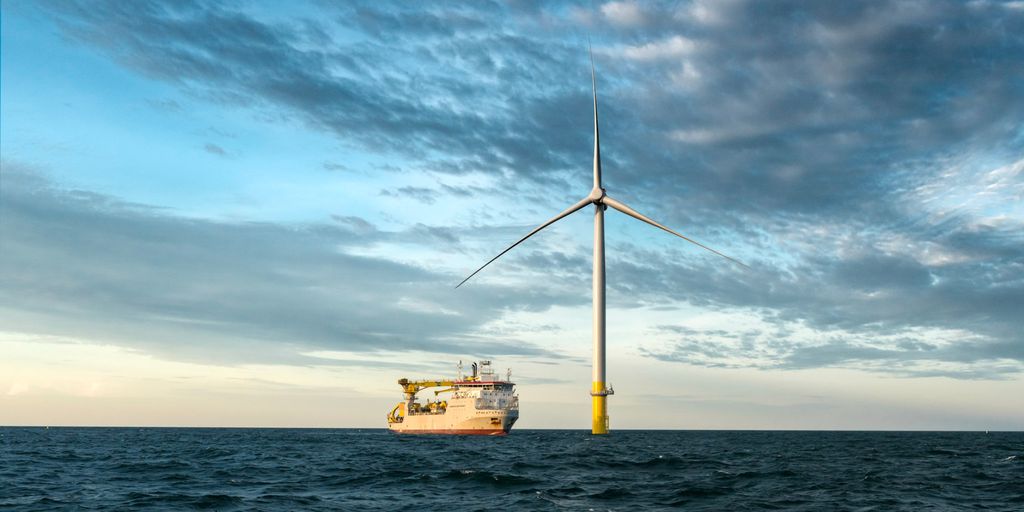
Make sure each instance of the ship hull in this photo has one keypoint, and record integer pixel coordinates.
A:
(454, 422)
(460, 432)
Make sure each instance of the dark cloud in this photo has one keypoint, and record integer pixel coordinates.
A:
(357, 225)
(875, 272)
(421, 194)
(466, 191)
(333, 166)
(434, 235)
(89, 266)
(214, 149)
(816, 110)
(447, 23)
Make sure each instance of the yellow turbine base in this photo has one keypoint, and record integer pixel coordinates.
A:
(599, 424)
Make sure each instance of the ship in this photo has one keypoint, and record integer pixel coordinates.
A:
(478, 404)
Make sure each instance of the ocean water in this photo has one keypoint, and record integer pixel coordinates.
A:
(370, 469)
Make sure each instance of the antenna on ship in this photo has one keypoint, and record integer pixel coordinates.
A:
(601, 202)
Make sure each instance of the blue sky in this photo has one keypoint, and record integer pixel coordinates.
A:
(256, 214)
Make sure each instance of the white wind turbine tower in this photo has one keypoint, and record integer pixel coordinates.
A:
(601, 201)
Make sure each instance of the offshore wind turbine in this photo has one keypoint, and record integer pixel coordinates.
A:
(601, 201)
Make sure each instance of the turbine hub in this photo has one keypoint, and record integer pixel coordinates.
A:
(596, 195)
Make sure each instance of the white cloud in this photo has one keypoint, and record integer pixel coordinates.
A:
(716, 135)
(626, 14)
(964, 185)
(688, 76)
(705, 12)
(669, 48)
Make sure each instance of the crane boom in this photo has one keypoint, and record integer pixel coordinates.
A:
(411, 387)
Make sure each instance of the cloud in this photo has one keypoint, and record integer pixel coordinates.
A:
(90, 266)
(333, 166)
(214, 149)
(623, 13)
(884, 312)
(965, 358)
(444, 24)
(165, 105)
(673, 47)
(864, 159)
(791, 117)
(421, 194)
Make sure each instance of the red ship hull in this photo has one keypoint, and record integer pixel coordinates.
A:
(458, 432)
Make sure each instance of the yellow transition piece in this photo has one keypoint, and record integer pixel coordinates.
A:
(599, 424)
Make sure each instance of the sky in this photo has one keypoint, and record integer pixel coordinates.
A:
(241, 214)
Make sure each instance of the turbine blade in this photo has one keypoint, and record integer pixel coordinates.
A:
(637, 215)
(554, 219)
(597, 133)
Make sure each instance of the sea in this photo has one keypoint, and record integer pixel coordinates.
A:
(43, 469)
